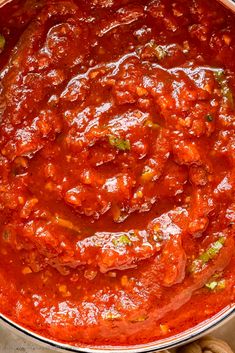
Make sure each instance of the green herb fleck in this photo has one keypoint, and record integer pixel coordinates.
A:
(123, 240)
(223, 83)
(122, 145)
(2, 42)
(159, 50)
(212, 251)
(207, 255)
(218, 285)
(211, 285)
(219, 76)
(209, 118)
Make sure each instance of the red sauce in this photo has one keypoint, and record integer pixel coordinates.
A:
(116, 167)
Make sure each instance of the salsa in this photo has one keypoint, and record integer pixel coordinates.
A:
(117, 167)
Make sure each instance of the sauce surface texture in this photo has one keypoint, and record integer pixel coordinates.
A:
(117, 155)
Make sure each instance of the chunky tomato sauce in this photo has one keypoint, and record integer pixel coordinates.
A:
(117, 155)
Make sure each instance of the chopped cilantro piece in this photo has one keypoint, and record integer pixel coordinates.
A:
(225, 89)
(207, 255)
(211, 285)
(216, 285)
(123, 240)
(219, 76)
(212, 251)
(2, 42)
(209, 117)
(122, 145)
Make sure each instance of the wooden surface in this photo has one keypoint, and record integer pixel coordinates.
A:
(10, 343)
